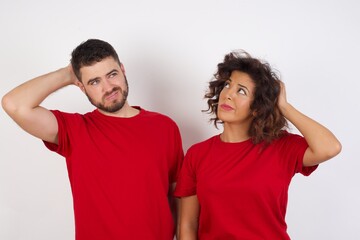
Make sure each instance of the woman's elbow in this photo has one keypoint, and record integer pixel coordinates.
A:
(331, 151)
(335, 150)
(312, 158)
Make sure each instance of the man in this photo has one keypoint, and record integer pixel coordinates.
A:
(122, 161)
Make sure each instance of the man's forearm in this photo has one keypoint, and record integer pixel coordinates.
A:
(22, 103)
(31, 93)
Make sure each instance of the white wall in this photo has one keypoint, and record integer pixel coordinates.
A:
(170, 50)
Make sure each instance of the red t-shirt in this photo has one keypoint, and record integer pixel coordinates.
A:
(242, 188)
(120, 170)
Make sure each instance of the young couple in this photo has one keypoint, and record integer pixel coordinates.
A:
(124, 161)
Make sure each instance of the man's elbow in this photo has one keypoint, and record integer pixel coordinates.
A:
(8, 104)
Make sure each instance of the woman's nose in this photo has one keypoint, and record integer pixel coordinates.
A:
(229, 93)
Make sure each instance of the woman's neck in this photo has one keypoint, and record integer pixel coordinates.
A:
(234, 133)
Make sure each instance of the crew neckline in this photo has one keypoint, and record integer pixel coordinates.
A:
(218, 139)
(141, 111)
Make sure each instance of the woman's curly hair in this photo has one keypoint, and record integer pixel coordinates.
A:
(268, 122)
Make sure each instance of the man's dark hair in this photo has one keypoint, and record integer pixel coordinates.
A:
(90, 52)
(268, 122)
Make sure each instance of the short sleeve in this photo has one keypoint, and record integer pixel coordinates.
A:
(296, 146)
(63, 142)
(186, 185)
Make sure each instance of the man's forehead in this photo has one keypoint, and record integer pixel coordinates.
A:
(102, 67)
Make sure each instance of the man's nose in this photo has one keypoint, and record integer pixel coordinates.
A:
(107, 86)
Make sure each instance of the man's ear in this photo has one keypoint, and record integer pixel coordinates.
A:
(80, 85)
(122, 68)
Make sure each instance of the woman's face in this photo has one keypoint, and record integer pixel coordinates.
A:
(235, 99)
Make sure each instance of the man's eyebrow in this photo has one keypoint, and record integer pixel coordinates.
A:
(112, 71)
(92, 79)
(98, 78)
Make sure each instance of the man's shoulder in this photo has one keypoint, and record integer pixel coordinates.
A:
(157, 116)
(72, 116)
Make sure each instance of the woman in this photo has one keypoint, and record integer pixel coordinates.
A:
(235, 185)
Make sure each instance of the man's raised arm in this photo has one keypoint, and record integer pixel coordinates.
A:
(22, 103)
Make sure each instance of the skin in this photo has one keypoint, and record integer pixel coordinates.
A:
(234, 107)
(105, 85)
(234, 111)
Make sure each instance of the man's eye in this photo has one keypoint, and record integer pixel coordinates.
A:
(95, 82)
(113, 75)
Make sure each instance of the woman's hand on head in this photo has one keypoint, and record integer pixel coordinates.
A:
(282, 100)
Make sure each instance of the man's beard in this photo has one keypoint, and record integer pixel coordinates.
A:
(115, 106)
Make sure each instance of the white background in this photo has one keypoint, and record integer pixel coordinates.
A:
(170, 50)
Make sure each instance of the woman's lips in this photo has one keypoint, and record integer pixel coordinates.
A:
(226, 107)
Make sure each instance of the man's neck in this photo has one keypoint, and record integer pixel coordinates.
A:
(125, 112)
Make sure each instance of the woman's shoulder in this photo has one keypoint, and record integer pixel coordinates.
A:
(205, 144)
(289, 140)
(288, 136)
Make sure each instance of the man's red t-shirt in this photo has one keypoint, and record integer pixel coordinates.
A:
(120, 170)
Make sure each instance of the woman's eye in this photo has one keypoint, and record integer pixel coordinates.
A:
(242, 91)
(226, 85)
